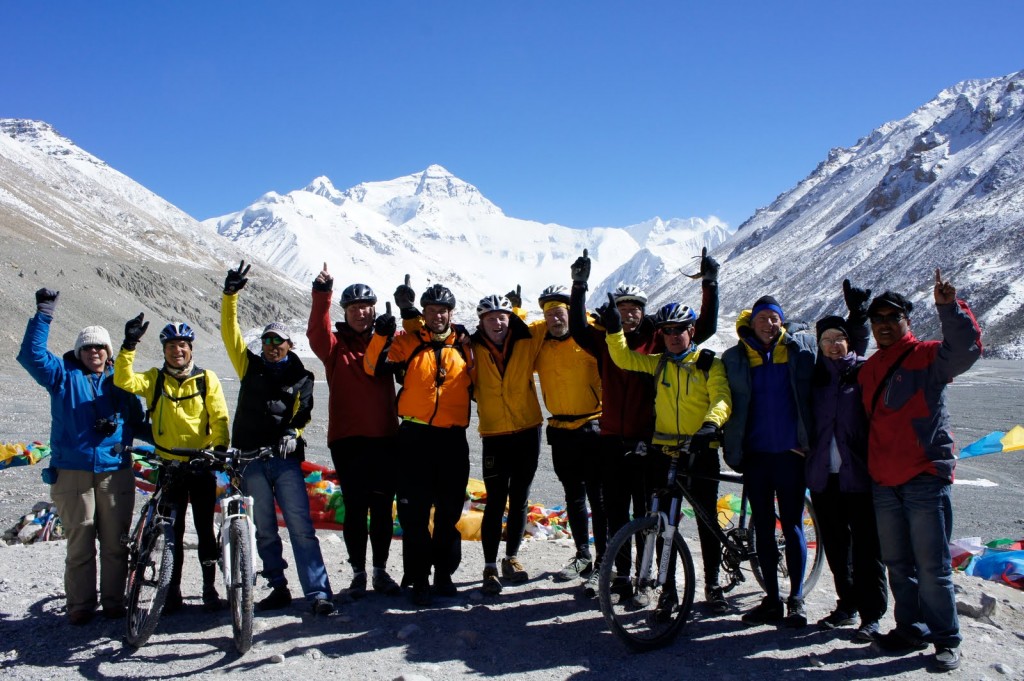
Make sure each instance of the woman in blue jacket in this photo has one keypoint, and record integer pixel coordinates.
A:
(92, 484)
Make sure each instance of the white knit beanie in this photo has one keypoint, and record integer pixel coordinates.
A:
(93, 335)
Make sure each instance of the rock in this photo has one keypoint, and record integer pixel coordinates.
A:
(314, 654)
(409, 631)
(989, 605)
(412, 677)
(276, 658)
(1003, 669)
(815, 661)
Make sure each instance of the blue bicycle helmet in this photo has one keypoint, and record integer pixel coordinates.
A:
(675, 314)
(180, 331)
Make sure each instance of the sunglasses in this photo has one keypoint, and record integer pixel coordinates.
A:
(272, 340)
(674, 330)
(886, 318)
(833, 341)
(93, 348)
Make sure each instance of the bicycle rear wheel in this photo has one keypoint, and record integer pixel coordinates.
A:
(240, 591)
(149, 579)
(641, 613)
(815, 554)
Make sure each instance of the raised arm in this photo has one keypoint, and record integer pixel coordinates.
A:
(318, 329)
(961, 336)
(707, 322)
(41, 364)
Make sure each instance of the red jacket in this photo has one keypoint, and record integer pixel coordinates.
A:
(359, 404)
(909, 426)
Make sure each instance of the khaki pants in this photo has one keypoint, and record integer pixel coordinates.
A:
(95, 506)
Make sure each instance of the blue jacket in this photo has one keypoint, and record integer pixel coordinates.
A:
(77, 399)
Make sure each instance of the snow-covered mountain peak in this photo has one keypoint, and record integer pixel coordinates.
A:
(322, 186)
(43, 137)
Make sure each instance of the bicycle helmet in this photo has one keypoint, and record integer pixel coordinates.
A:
(629, 294)
(555, 292)
(358, 293)
(438, 295)
(675, 314)
(493, 303)
(180, 331)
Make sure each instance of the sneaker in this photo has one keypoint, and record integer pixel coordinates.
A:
(622, 587)
(767, 611)
(357, 588)
(946, 659)
(79, 618)
(867, 632)
(796, 616)
(837, 618)
(322, 606)
(642, 597)
(491, 585)
(444, 587)
(383, 584)
(667, 603)
(421, 593)
(715, 597)
(280, 597)
(513, 570)
(590, 586)
(574, 569)
(211, 599)
(174, 602)
(898, 643)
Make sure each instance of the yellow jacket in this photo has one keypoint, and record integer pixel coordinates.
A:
(569, 382)
(507, 400)
(181, 418)
(685, 398)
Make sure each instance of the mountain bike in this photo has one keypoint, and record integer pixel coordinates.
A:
(236, 535)
(664, 571)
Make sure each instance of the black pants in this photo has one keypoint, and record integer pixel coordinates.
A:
(433, 471)
(510, 462)
(849, 534)
(576, 456)
(705, 492)
(368, 472)
(200, 489)
(623, 486)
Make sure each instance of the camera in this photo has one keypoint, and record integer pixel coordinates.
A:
(105, 427)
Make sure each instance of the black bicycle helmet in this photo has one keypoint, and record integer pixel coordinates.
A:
(675, 314)
(358, 293)
(438, 295)
(555, 292)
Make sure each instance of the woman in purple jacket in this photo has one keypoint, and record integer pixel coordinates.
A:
(837, 472)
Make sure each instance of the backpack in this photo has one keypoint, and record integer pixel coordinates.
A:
(145, 431)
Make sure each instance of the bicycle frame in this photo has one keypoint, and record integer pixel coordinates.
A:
(234, 505)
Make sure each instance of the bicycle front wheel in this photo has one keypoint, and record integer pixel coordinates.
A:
(641, 613)
(149, 580)
(240, 591)
(815, 554)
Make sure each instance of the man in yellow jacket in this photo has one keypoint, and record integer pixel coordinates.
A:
(188, 411)
(571, 386)
(692, 400)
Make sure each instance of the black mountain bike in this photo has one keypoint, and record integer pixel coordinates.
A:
(664, 571)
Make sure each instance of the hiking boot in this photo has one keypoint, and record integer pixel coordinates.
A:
(421, 592)
(174, 602)
(642, 597)
(78, 618)
(769, 610)
(796, 616)
(867, 632)
(357, 588)
(946, 659)
(667, 603)
(837, 618)
(898, 643)
(590, 586)
(513, 570)
(579, 566)
(444, 587)
(280, 597)
(715, 598)
(622, 587)
(383, 584)
(491, 585)
(322, 606)
(211, 599)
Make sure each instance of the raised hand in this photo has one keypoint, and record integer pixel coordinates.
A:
(46, 301)
(516, 297)
(385, 324)
(945, 292)
(611, 320)
(708, 266)
(236, 279)
(134, 330)
(324, 281)
(856, 299)
(581, 268)
(405, 297)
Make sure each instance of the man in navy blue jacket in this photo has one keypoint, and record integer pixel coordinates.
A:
(92, 484)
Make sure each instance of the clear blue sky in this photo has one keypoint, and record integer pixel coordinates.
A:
(580, 113)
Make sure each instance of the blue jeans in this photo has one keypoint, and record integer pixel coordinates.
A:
(915, 522)
(267, 480)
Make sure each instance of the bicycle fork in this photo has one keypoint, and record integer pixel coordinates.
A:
(234, 507)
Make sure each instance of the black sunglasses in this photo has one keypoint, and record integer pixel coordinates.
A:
(93, 348)
(886, 318)
(272, 340)
(674, 330)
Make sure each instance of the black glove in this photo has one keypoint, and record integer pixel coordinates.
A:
(856, 300)
(516, 297)
(323, 281)
(706, 440)
(46, 300)
(581, 269)
(134, 330)
(405, 297)
(708, 266)
(385, 324)
(216, 448)
(611, 320)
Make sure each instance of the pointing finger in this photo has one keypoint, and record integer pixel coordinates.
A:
(585, 253)
(387, 308)
(407, 280)
(938, 277)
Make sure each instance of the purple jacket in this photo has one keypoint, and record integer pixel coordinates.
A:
(839, 414)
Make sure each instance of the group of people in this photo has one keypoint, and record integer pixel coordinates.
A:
(793, 408)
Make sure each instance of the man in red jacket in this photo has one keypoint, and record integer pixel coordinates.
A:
(361, 427)
(911, 461)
